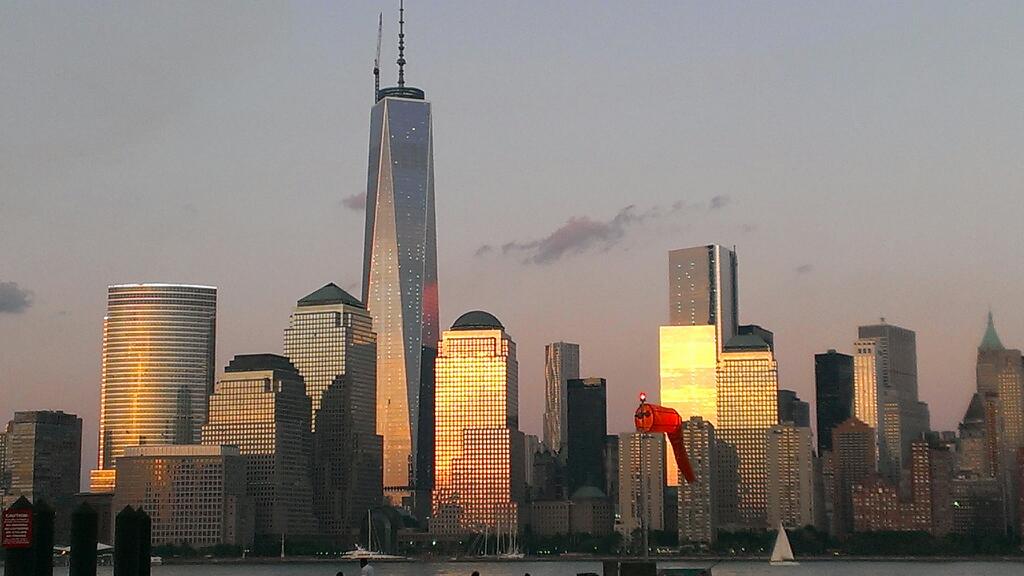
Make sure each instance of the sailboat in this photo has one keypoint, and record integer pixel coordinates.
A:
(782, 553)
(369, 553)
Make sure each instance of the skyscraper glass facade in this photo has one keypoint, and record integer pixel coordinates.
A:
(561, 363)
(479, 465)
(400, 284)
(157, 370)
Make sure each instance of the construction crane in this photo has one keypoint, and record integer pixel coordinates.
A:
(376, 60)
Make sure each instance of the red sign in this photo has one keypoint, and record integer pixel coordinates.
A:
(17, 528)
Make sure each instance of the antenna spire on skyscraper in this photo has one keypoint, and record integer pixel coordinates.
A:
(401, 43)
(376, 59)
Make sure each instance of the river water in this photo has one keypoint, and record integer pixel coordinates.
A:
(571, 568)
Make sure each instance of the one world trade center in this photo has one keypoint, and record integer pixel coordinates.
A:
(400, 284)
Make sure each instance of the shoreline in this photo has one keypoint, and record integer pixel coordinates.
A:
(546, 559)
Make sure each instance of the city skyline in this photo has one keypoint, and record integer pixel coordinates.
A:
(63, 320)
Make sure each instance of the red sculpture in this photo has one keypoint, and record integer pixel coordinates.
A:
(653, 419)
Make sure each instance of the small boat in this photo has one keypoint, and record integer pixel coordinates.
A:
(369, 553)
(782, 553)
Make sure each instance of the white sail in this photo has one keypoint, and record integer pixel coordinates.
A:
(782, 552)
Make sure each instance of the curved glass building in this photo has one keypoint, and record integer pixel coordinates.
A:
(157, 373)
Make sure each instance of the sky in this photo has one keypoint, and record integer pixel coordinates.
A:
(864, 158)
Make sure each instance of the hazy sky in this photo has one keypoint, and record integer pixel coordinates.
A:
(864, 158)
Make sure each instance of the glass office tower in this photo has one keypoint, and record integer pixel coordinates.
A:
(400, 283)
(157, 372)
(561, 364)
(479, 455)
(703, 315)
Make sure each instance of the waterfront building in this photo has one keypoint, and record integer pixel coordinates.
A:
(641, 481)
(697, 510)
(260, 406)
(43, 461)
(400, 287)
(587, 411)
(703, 316)
(747, 408)
(5, 474)
(931, 485)
(479, 450)
(157, 369)
(853, 460)
(978, 506)
(790, 476)
(561, 364)
(330, 341)
(793, 409)
(877, 507)
(611, 469)
(833, 391)
(194, 494)
(589, 511)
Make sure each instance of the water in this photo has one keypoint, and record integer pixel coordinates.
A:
(809, 568)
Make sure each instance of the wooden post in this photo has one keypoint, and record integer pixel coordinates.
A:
(84, 536)
(145, 527)
(126, 543)
(42, 538)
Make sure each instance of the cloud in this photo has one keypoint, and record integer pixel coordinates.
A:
(356, 201)
(14, 299)
(719, 202)
(581, 234)
(804, 268)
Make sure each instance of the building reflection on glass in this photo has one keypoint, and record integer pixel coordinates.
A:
(479, 467)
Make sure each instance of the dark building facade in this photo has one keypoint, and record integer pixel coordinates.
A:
(44, 456)
(587, 427)
(833, 391)
(793, 409)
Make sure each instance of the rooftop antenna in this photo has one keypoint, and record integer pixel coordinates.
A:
(401, 43)
(376, 60)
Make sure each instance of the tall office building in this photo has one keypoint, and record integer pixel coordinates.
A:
(561, 364)
(44, 458)
(790, 476)
(703, 316)
(697, 507)
(853, 461)
(833, 391)
(793, 409)
(1000, 375)
(641, 481)
(885, 380)
(260, 406)
(747, 408)
(931, 478)
(331, 342)
(194, 495)
(978, 446)
(158, 357)
(400, 281)
(479, 478)
(587, 411)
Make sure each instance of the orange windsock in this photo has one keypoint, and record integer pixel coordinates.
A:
(653, 418)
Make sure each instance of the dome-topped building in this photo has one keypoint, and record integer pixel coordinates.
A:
(477, 320)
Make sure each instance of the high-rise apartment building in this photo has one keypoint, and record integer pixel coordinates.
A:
(479, 480)
(790, 476)
(400, 282)
(853, 461)
(641, 481)
(747, 408)
(157, 371)
(194, 495)
(587, 411)
(697, 510)
(43, 458)
(703, 316)
(260, 406)
(833, 390)
(561, 364)
(793, 409)
(330, 341)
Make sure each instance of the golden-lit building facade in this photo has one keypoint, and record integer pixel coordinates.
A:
(157, 369)
(479, 463)
(703, 315)
(748, 388)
